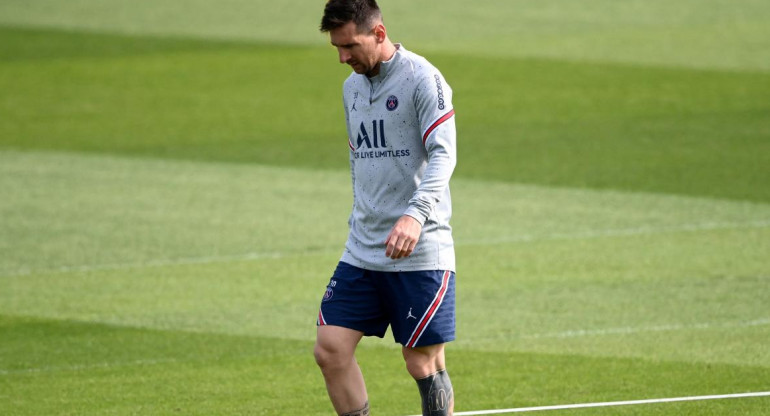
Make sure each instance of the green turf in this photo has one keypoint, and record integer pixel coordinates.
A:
(572, 278)
(728, 34)
(175, 192)
(123, 370)
(604, 126)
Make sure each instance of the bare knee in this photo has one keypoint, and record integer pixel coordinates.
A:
(330, 356)
(424, 361)
(323, 357)
(334, 349)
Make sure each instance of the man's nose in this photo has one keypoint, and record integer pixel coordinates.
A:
(344, 55)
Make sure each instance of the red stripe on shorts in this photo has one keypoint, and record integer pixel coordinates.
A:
(431, 312)
(321, 320)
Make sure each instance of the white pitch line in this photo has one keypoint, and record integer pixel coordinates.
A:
(610, 404)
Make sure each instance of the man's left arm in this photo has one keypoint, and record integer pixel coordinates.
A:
(435, 112)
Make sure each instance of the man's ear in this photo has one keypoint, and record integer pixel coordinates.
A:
(380, 33)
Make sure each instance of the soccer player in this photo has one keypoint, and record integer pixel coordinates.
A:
(398, 265)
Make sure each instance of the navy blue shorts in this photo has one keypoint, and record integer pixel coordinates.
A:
(419, 306)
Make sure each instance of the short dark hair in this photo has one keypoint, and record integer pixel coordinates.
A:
(338, 13)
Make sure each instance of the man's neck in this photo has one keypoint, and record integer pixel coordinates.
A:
(388, 50)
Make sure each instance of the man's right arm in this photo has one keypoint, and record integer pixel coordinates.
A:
(352, 150)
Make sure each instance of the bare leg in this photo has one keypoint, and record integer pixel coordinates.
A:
(427, 366)
(335, 354)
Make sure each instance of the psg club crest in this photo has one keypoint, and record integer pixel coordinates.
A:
(392, 103)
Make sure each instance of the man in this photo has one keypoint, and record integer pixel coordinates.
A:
(398, 265)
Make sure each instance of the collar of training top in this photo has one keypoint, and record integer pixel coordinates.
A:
(387, 66)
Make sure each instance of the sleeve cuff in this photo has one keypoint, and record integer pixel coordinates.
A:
(415, 213)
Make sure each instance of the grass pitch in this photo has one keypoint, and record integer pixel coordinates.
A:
(175, 194)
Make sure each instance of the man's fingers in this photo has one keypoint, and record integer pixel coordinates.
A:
(410, 248)
(399, 246)
(391, 248)
(402, 238)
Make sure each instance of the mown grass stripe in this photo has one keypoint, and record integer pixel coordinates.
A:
(622, 232)
(655, 328)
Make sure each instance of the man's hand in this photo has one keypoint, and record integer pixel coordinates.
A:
(403, 238)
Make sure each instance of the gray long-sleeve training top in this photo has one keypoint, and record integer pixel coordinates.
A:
(402, 139)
